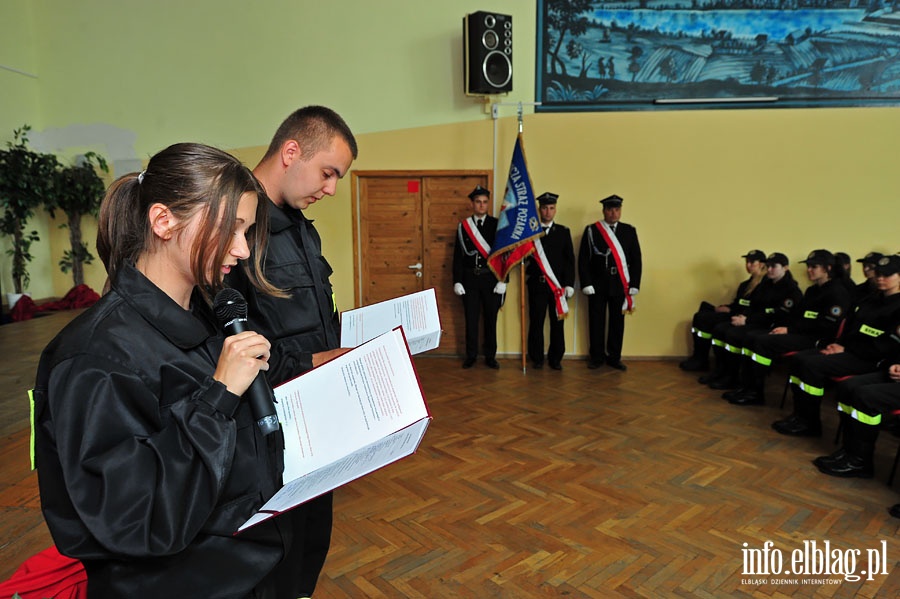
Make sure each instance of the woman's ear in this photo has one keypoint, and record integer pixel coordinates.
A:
(161, 221)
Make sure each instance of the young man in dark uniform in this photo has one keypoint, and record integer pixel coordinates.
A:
(609, 266)
(311, 150)
(550, 276)
(474, 281)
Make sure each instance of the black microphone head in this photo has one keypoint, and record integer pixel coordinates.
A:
(229, 305)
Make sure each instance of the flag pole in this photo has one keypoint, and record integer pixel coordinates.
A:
(522, 340)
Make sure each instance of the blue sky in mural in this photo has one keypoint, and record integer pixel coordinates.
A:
(637, 54)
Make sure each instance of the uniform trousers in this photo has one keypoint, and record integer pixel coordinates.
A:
(764, 349)
(867, 397)
(606, 347)
(540, 301)
(809, 373)
(480, 301)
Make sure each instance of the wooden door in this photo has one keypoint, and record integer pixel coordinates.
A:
(404, 234)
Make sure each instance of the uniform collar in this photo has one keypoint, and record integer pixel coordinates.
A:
(284, 217)
(184, 328)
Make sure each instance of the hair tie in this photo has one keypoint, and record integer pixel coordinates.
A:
(141, 177)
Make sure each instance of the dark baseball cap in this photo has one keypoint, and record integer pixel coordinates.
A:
(871, 258)
(777, 258)
(819, 257)
(887, 265)
(755, 256)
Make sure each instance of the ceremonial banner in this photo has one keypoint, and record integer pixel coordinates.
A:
(518, 220)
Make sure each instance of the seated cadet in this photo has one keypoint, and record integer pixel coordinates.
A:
(869, 335)
(862, 401)
(843, 276)
(776, 303)
(823, 307)
(868, 286)
(708, 316)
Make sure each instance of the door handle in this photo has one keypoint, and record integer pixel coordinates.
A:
(416, 266)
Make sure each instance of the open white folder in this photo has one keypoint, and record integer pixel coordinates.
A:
(347, 418)
(416, 312)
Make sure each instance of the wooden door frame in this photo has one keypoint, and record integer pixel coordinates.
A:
(355, 175)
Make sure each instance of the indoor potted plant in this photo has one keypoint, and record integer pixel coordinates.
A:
(26, 182)
(79, 191)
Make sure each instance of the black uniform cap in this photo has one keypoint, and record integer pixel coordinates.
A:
(777, 258)
(479, 191)
(871, 258)
(612, 201)
(888, 265)
(821, 257)
(547, 198)
(755, 256)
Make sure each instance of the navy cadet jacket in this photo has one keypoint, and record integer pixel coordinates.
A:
(596, 264)
(146, 465)
(872, 331)
(822, 310)
(560, 252)
(466, 257)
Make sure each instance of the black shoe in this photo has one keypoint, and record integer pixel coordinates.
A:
(724, 382)
(797, 428)
(556, 366)
(693, 365)
(617, 364)
(894, 510)
(537, 365)
(469, 363)
(749, 398)
(827, 460)
(492, 363)
(729, 395)
(707, 378)
(594, 365)
(850, 467)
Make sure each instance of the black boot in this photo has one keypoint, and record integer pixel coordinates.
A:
(805, 422)
(859, 461)
(840, 454)
(754, 382)
(729, 378)
(699, 360)
(719, 370)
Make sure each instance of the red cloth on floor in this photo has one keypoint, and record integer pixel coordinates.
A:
(47, 574)
(80, 296)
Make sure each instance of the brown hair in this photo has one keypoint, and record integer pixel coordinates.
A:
(313, 128)
(187, 178)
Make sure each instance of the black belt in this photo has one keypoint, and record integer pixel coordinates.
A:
(477, 270)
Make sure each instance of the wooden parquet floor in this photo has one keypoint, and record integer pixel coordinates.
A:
(579, 483)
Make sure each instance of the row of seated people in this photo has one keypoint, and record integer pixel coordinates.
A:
(832, 332)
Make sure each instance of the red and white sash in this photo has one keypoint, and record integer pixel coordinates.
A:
(559, 293)
(468, 225)
(621, 265)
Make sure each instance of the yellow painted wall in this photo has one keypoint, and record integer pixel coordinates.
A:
(702, 187)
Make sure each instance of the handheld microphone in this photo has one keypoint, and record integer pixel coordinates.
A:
(231, 310)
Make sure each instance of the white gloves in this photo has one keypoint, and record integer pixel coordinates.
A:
(500, 288)
(589, 290)
(633, 291)
(458, 289)
(570, 291)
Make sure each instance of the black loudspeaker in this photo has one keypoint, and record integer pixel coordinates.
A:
(487, 53)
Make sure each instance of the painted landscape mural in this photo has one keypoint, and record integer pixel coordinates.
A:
(644, 54)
